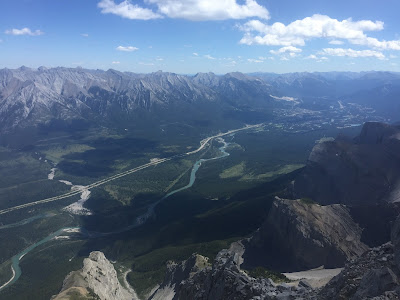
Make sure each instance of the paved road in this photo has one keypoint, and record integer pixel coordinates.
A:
(203, 143)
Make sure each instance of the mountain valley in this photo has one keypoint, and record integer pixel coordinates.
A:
(185, 179)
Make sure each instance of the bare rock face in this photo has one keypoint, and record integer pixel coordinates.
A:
(363, 171)
(97, 280)
(372, 275)
(375, 275)
(298, 235)
(222, 281)
(176, 273)
(102, 278)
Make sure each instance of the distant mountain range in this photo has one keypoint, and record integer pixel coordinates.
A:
(31, 97)
(65, 96)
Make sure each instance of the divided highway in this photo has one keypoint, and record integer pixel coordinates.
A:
(203, 143)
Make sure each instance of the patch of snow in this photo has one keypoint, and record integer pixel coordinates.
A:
(52, 173)
(66, 182)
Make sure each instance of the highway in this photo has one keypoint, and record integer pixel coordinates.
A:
(203, 144)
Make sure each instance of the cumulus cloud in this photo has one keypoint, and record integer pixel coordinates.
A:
(201, 10)
(127, 10)
(127, 48)
(24, 31)
(287, 49)
(352, 53)
(115, 62)
(312, 56)
(375, 43)
(194, 10)
(316, 26)
(195, 54)
(85, 34)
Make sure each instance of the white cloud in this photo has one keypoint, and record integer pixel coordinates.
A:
(85, 34)
(116, 62)
(393, 56)
(375, 43)
(254, 60)
(316, 26)
(195, 54)
(287, 49)
(336, 42)
(208, 56)
(127, 10)
(201, 10)
(352, 53)
(127, 48)
(284, 58)
(194, 10)
(24, 31)
(312, 56)
(159, 59)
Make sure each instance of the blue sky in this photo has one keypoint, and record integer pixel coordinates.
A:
(190, 36)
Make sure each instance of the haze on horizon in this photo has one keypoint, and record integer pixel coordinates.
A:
(190, 36)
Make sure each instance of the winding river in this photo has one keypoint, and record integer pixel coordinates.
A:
(15, 260)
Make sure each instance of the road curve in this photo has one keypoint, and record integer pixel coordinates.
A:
(203, 143)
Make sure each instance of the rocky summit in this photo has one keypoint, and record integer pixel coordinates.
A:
(360, 171)
(97, 280)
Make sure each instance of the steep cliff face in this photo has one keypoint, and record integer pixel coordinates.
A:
(224, 280)
(363, 171)
(97, 280)
(375, 275)
(298, 235)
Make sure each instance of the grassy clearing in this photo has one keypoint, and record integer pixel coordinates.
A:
(235, 171)
(55, 154)
(272, 174)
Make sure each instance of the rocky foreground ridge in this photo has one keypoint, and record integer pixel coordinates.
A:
(96, 280)
(301, 235)
(373, 275)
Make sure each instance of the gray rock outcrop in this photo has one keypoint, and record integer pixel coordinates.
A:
(222, 281)
(372, 275)
(96, 280)
(375, 275)
(298, 235)
(363, 171)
